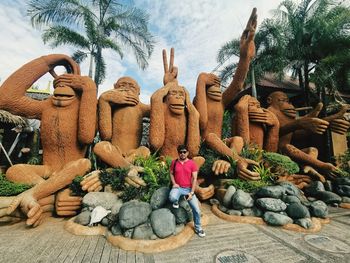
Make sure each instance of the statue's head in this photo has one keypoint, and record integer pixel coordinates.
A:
(280, 102)
(254, 105)
(129, 85)
(176, 97)
(63, 95)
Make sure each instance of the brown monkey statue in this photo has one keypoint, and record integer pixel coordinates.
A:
(68, 121)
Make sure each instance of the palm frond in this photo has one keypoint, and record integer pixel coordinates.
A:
(60, 35)
(79, 56)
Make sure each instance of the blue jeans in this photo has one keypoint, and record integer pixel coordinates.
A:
(174, 197)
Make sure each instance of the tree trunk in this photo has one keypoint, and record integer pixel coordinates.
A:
(306, 83)
(91, 65)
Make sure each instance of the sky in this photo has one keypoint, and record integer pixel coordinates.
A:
(196, 29)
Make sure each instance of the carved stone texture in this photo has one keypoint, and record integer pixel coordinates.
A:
(68, 121)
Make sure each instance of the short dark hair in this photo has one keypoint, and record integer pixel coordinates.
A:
(181, 147)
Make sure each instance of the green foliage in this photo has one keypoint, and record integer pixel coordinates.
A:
(8, 188)
(252, 152)
(226, 124)
(280, 164)
(344, 163)
(247, 186)
(75, 186)
(264, 172)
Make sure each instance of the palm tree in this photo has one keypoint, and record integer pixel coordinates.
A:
(92, 26)
(300, 38)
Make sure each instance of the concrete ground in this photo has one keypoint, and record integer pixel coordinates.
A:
(225, 242)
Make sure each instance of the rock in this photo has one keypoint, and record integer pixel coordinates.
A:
(185, 205)
(83, 218)
(241, 199)
(311, 199)
(133, 213)
(328, 186)
(181, 215)
(290, 188)
(342, 181)
(271, 204)
(98, 214)
(116, 230)
(179, 228)
(270, 191)
(297, 211)
(276, 219)
(314, 188)
(128, 233)
(329, 197)
(290, 199)
(214, 201)
(159, 198)
(105, 221)
(163, 222)
(233, 212)
(106, 200)
(343, 190)
(143, 231)
(318, 209)
(228, 196)
(345, 199)
(116, 207)
(223, 208)
(304, 222)
(254, 211)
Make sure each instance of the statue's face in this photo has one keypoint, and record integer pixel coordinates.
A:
(176, 100)
(214, 93)
(254, 105)
(128, 85)
(63, 96)
(280, 101)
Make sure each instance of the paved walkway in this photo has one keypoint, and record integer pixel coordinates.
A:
(225, 242)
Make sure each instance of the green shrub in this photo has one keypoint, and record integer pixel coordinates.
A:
(247, 186)
(344, 161)
(252, 152)
(280, 164)
(8, 188)
(75, 186)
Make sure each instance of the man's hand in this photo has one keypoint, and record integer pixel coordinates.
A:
(170, 73)
(176, 185)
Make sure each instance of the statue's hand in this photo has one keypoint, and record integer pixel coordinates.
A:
(76, 82)
(244, 173)
(220, 167)
(91, 182)
(242, 105)
(210, 79)
(66, 204)
(170, 73)
(133, 178)
(247, 46)
(314, 125)
(29, 205)
(339, 126)
(119, 97)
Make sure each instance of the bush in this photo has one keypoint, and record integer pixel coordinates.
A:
(75, 186)
(344, 163)
(8, 188)
(280, 164)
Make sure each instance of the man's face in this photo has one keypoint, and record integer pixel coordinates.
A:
(183, 154)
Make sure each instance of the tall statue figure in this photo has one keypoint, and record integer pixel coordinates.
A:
(211, 104)
(68, 121)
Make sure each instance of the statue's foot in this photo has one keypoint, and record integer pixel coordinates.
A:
(312, 172)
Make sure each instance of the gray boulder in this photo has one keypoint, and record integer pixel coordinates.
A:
(254, 211)
(143, 231)
(133, 213)
(116, 230)
(343, 190)
(241, 199)
(223, 208)
(163, 222)
(185, 205)
(214, 201)
(276, 219)
(104, 199)
(228, 196)
(297, 211)
(178, 229)
(314, 188)
(345, 199)
(83, 218)
(233, 212)
(270, 191)
(290, 199)
(116, 207)
(328, 186)
(290, 188)
(329, 197)
(128, 233)
(159, 198)
(271, 204)
(181, 215)
(342, 181)
(319, 209)
(304, 222)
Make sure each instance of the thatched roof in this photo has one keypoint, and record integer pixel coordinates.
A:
(7, 117)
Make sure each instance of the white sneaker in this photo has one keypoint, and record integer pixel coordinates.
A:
(176, 205)
(200, 232)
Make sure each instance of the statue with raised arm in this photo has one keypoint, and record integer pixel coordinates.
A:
(174, 119)
(211, 104)
(68, 121)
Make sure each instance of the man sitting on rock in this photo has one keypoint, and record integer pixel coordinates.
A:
(183, 175)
